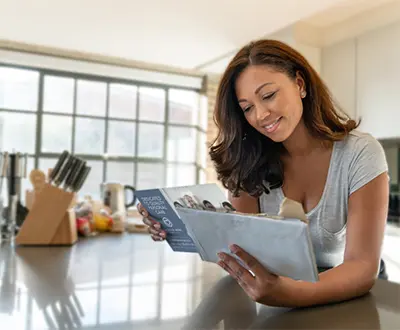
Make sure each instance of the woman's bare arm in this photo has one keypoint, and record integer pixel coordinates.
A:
(367, 217)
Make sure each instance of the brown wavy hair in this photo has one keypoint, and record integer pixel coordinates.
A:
(246, 160)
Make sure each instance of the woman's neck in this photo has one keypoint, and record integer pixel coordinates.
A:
(301, 143)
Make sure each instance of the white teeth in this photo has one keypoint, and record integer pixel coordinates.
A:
(272, 125)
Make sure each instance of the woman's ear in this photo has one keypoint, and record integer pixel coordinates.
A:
(301, 85)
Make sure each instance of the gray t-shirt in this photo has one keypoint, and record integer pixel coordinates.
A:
(355, 161)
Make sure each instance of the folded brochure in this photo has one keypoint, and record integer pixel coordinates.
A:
(162, 204)
(187, 214)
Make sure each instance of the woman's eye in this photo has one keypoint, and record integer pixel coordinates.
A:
(269, 96)
(247, 109)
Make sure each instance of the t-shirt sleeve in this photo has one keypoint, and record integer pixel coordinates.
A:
(368, 162)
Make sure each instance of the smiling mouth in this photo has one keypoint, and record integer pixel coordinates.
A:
(273, 126)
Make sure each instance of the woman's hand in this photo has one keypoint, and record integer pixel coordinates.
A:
(154, 227)
(263, 287)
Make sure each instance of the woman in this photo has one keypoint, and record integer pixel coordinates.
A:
(280, 134)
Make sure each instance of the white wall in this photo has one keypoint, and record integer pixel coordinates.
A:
(364, 76)
(339, 73)
(312, 54)
(378, 81)
(287, 35)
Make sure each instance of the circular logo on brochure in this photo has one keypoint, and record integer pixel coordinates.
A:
(167, 222)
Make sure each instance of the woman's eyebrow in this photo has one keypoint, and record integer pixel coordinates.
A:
(257, 90)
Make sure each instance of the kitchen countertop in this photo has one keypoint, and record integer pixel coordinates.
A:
(129, 282)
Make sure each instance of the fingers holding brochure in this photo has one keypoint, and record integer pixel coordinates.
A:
(252, 263)
(244, 278)
(257, 281)
(153, 227)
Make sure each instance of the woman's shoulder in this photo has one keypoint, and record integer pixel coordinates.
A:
(357, 142)
(363, 156)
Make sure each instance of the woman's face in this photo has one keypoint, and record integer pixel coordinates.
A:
(270, 100)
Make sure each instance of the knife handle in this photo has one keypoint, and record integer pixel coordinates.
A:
(73, 175)
(64, 171)
(59, 164)
(82, 178)
(70, 175)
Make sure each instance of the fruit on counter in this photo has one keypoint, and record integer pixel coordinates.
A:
(102, 222)
(83, 226)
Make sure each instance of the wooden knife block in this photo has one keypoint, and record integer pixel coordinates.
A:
(50, 220)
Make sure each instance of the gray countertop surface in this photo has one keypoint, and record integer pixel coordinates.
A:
(129, 282)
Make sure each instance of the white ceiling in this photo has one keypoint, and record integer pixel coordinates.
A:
(344, 20)
(179, 33)
(345, 11)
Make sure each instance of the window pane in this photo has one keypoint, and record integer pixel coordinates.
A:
(181, 144)
(95, 178)
(58, 94)
(19, 89)
(202, 176)
(56, 133)
(17, 131)
(91, 98)
(121, 138)
(151, 140)
(203, 149)
(121, 172)
(204, 112)
(122, 101)
(181, 175)
(47, 163)
(183, 107)
(89, 136)
(151, 104)
(150, 176)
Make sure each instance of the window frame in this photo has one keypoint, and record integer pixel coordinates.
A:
(38, 154)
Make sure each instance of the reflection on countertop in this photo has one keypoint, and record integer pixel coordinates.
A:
(108, 280)
(378, 310)
(129, 282)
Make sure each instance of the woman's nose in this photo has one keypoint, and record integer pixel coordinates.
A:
(262, 113)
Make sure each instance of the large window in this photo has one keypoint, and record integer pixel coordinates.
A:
(141, 134)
